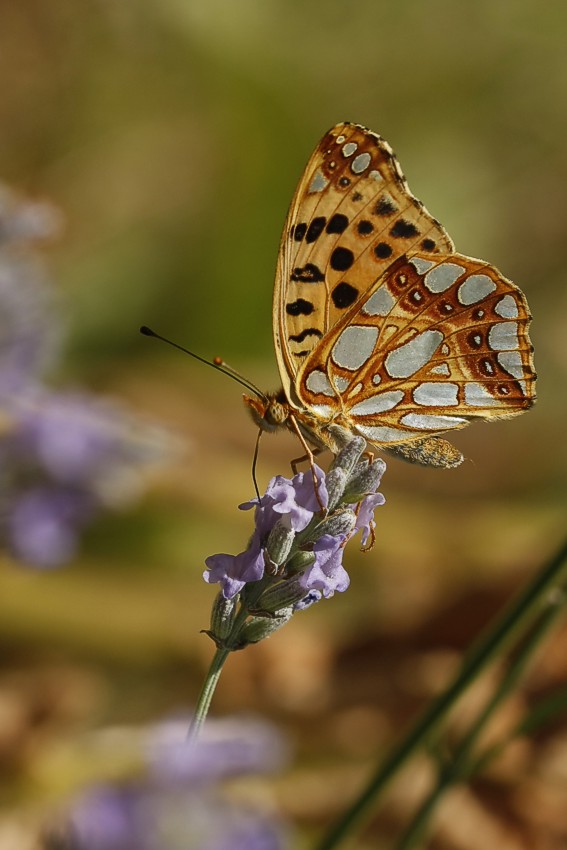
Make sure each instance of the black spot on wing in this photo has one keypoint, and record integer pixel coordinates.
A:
(304, 334)
(428, 245)
(299, 231)
(301, 307)
(309, 273)
(344, 294)
(365, 227)
(315, 229)
(383, 250)
(404, 229)
(385, 206)
(342, 259)
(337, 223)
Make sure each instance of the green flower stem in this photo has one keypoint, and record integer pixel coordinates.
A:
(461, 767)
(517, 616)
(207, 691)
(213, 675)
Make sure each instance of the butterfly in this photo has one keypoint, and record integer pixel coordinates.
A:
(380, 328)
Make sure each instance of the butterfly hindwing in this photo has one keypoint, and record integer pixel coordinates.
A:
(435, 342)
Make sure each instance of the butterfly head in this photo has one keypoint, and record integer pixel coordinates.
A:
(269, 412)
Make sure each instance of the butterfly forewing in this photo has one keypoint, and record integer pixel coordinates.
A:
(351, 217)
(434, 343)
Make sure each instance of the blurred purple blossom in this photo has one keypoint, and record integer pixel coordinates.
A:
(226, 748)
(29, 327)
(64, 455)
(180, 803)
(43, 523)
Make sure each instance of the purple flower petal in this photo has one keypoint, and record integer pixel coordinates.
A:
(327, 574)
(293, 498)
(365, 518)
(232, 572)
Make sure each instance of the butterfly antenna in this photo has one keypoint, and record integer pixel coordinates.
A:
(217, 363)
(255, 462)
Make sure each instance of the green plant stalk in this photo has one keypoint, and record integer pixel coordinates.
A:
(519, 613)
(536, 717)
(207, 691)
(544, 711)
(461, 766)
(213, 674)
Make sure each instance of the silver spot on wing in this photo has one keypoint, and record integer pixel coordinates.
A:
(503, 336)
(475, 288)
(380, 303)
(377, 403)
(354, 346)
(507, 308)
(318, 382)
(442, 277)
(430, 422)
(436, 394)
(413, 355)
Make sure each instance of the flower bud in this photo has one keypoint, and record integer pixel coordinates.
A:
(336, 483)
(259, 628)
(339, 522)
(280, 595)
(222, 616)
(280, 542)
(364, 481)
(348, 457)
(299, 562)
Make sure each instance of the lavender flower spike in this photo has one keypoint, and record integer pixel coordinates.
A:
(295, 556)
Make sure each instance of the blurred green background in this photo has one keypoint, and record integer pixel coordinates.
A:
(171, 135)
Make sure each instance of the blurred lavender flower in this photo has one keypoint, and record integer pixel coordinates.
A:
(64, 455)
(295, 554)
(29, 328)
(180, 804)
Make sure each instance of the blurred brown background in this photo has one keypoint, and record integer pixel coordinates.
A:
(171, 135)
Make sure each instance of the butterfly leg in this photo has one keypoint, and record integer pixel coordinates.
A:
(297, 460)
(309, 456)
